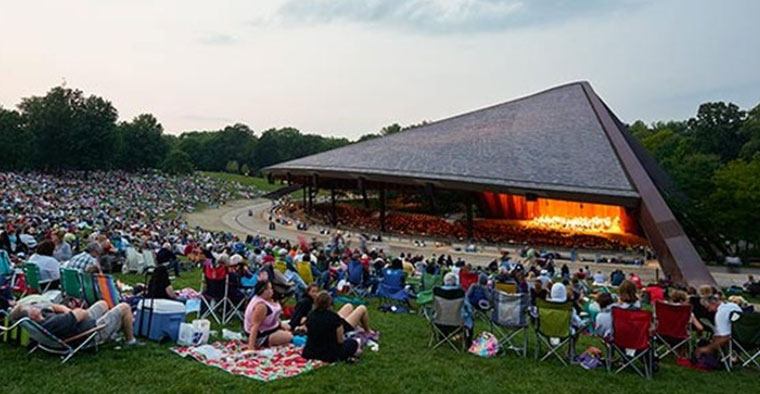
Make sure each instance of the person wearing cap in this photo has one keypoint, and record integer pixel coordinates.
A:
(87, 261)
(236, 271)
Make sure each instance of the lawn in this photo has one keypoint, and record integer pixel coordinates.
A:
(260, 183)
(403, 364)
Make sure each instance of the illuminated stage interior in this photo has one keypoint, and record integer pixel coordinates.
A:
(559, 215)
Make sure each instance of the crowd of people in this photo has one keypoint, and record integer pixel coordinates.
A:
(484, 231)
(85, 221)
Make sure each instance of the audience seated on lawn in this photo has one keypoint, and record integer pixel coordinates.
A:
(479, 295)
(63, 322)
(262, 319)
(87, 261)
(603, 326)
(50, 269)
(159, 285)
(450, 282)
(303, 308)
(628, 299)
(62, 251)
(326, 339)
(722, 334)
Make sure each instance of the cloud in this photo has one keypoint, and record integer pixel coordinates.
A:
(443, 16)
(218, 39)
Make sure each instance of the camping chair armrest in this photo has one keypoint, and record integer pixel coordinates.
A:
(12, 326)
(84, 334)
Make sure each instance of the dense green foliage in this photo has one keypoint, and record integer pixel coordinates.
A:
(714, 159)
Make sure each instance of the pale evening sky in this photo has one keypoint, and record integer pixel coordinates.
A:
(349, 67)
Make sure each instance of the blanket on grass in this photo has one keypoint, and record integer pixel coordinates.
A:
(264, 365)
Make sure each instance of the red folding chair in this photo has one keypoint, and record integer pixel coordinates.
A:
(632, 341)
(467, 279)
(673, 329)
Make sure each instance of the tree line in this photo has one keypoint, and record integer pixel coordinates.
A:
(68, 130)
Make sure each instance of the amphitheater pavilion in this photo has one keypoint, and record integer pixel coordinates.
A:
(559, 152)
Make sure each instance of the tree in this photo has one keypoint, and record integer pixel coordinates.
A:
(751, 130)
(70, 131)
(232, 167)
(245, 170)
(177, 162)
(390, 130)
(717, 129)
(736, 198)
(14, 142)
(143, 143)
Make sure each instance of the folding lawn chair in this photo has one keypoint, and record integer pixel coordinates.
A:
(553, 329)
(106, 289)
(135, 261)
(673, 328)
(89, 289)
(425, 291)
(447, 322)
(231, 309)
(71, 282)
(467, 279)
(745, 339)
(50, 343)
(213, 292)
(509, 288)
(632, 341)
(32, 277)
(149, 259)
(509, 320)
(355, 277)
(480, 301)
(304, 271)
(6, 268)
(391, 287)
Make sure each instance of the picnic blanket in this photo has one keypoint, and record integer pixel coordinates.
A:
(265, 364)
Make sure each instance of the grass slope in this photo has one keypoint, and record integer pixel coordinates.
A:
(259, 183)
(404, 364)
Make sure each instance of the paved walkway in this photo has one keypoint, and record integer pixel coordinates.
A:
(234, 217)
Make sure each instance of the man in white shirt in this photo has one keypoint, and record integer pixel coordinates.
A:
(722, 333)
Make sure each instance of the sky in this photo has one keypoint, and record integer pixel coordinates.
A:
(349, 67)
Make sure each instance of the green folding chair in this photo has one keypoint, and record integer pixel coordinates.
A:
(425, 294)
(553, 329)
(745, 339)
(71, 282)
(89, 291)
(32, 278)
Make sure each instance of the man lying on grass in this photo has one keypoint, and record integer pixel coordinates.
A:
(65, 323)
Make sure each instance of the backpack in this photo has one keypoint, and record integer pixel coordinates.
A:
(485, 345)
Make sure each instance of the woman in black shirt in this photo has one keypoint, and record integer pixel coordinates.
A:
(325, 339)
(303, 308)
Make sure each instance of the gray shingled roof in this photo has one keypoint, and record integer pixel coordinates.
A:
(549, 141)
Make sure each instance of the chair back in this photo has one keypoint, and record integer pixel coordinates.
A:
(89, 289)
(281, 266)
(554, 318)
(304, 271)
(509, 288)
(672, 319)
(5, 263)
(43, 337)
(355, 273)
(429, 281)
(745, 329)
(107, 289)
(631, 328)
(467, 279)
(393, 278)
(71, 283)
(149, 257)
(32, 277)
(509, 310)
(448, 304)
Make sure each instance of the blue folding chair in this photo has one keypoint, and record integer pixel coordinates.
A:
(355, 277)
(391, 288)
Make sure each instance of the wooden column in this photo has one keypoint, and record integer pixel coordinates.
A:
(469, 218)
(334, 214)
(382, 209)
(311, 200)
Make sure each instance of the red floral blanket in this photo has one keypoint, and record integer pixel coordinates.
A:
(265, 364)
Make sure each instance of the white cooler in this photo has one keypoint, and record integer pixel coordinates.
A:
(163, 322)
